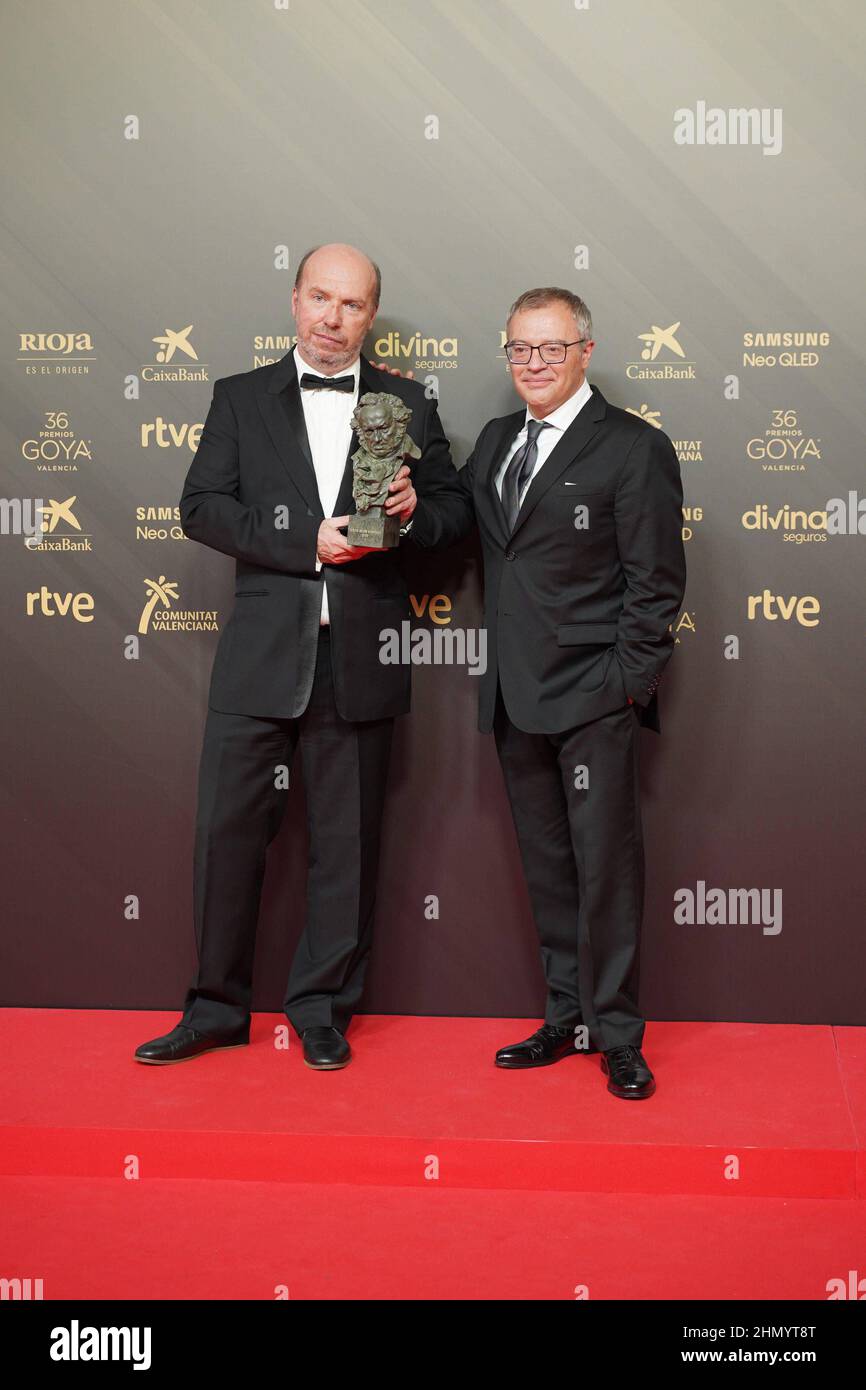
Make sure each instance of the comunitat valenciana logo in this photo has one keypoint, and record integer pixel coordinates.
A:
(652, 417)
(663, 357)
(174, 352)
(160, 615)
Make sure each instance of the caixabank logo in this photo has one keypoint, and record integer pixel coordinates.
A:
(162, 611)
(784, 446)
(176, 358)
(55, 447)
(662, 357)
(56, 353)
(59, 530)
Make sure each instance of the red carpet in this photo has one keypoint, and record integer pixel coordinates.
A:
(422, 1171)
(100, 1238)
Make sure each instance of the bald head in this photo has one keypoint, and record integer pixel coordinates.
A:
(333, 252)
(335, 299)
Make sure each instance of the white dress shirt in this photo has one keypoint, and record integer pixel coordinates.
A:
(327, 415)
(560, 418)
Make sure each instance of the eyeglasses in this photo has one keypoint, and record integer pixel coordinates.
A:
(521, 353)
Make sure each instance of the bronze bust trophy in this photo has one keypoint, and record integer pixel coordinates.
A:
(380, 421)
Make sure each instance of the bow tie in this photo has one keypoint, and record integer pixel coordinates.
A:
(327, 383)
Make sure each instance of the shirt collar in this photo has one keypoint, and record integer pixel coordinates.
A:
(301, 366)
(564, 414)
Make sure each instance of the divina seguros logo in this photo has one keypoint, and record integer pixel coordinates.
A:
(426, 354)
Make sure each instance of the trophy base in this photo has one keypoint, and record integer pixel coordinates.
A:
(374, 528)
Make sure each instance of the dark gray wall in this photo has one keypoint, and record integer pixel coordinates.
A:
(258, 127)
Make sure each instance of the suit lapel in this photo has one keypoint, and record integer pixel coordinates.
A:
(575, 439)
(280, 405)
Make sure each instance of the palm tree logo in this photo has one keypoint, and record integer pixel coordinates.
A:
(652, 417)
(158, 591)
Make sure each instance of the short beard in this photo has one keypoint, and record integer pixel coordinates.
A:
(317, 359)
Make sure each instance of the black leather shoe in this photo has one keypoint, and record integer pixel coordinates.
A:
(184, 1043)
(629, 1077)
(548, 1045)
(325, 1049)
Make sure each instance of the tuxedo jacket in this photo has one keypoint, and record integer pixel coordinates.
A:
(253, 457)
(581, 592)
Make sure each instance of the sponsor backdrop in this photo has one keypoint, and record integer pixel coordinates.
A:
(695, 173)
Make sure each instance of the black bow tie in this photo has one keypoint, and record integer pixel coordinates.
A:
(327, 383)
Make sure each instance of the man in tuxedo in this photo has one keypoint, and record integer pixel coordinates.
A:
(298, 662)
(579, 508)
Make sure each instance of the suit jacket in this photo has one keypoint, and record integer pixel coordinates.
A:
(580, 594)
(254, 456)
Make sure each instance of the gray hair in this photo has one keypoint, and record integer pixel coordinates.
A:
(539, 299)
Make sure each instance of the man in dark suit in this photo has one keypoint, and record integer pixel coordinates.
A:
(298, 662)
(579, 507)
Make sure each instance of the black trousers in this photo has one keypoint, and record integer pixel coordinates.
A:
(575, 799)
(345, 769)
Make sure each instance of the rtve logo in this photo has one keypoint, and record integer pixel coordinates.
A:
(53, 605)
(774, 606)
(163, 434)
